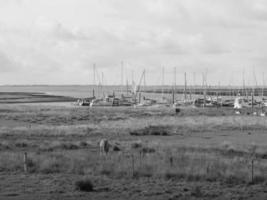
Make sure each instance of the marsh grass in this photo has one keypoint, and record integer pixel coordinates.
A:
(61, 147)
(186, 165)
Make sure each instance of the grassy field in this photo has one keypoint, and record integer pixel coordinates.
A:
(156, 153)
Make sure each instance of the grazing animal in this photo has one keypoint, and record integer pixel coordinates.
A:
(104, 146)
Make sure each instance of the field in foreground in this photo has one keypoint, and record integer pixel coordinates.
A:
(156, 153)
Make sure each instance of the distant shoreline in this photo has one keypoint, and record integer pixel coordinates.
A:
(32, 97)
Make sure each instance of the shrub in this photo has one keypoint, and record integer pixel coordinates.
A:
(196, 191)
(136, 145)
(116, 148)
(85, 185)
(21, 143)
(148, 150)
(151, 130)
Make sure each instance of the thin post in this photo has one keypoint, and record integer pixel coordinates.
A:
(217, 99)
(162, 84)
(185, 87)
(263, 85)
(173, 96)
(121, 77)
(252, 99)
(194, 83)
(252, 170)
(121, 72)
(171, 161)
(132, 165)
(94, 74)
(127, 87)
(174, 83)
(140, 158)
(25, 162)
(204, 84)
(244, 87)
(144, 78)
(132, 76)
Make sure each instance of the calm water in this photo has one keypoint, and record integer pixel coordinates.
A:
(83, 91)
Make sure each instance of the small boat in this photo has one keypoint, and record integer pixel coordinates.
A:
(85, 101)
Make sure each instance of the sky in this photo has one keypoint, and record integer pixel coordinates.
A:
(59, 41)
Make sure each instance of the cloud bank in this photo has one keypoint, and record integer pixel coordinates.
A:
(57, 42)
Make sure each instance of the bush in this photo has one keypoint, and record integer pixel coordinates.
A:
(148, 150)
(151, 130)
(22, 143)
(85, 185)
(116, 148)
(136, 145)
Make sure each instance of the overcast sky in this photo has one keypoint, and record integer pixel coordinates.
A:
(57, 41)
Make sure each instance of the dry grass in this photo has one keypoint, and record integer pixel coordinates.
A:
(64, 140)
(171, 164)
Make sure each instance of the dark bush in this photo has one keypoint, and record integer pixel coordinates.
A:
(152, 130)
(84, 185)
(116, 148)
(148, 150)
(136, 145)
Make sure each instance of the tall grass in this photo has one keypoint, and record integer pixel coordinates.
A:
(164, 163)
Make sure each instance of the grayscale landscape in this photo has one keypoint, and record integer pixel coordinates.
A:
(120, 99)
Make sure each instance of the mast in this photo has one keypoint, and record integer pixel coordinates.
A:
(244, 88)
(185, 87)
(102, 73)
(162, 83)
(121, 77)
(204, 85)
(94, 74)
(194, 83)
(263, 85)
(127, 87)
(144, 78)
(122, 73)
(174, 85)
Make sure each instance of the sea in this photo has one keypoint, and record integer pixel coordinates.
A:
(81, 91)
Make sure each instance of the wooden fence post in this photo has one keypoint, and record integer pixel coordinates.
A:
(140, 157)
(25, 162)
(171, 161)
(252, 170)
(133, 165)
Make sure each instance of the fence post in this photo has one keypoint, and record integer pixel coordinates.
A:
(25, 162)
(171, 161)
(252, 170)
(140, 157)
(133, 165)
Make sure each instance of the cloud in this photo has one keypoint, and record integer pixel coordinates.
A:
(7, 64)
(65, 37)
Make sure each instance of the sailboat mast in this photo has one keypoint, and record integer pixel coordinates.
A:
(94, 74)
(204, 85)
(162, 83)
(244, 88)
(185, 87)
(174, 86)
(263, 85)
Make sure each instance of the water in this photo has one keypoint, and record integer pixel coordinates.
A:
(83, 91)
(79, 91)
